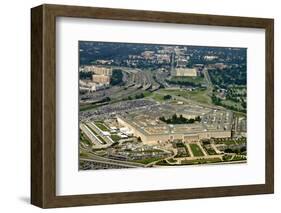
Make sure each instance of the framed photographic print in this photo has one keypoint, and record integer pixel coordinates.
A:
(137, 106)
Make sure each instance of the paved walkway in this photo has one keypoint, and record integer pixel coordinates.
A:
(189, 150)
(202, 149)
(215, 148)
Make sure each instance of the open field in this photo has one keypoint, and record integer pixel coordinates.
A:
(201, 161)
(198, 95)
(230, 103)
(187, 79)
(101, 126)
(115, 138)
(84, 139)
(157, 97)
(196, 150)
(147, 161)
(97, 135)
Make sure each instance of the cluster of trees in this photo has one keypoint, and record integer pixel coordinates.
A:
(179, 119)
(184, 83)
(237, 97)
(106, 99)
(238, 151)
(85, 75)
(229, 76)
(167, 97)
(93, 51)
(117, 77)
(217, 101)
(137, 96)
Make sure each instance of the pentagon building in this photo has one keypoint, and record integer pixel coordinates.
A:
(214, 124)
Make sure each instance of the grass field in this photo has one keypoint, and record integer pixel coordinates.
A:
(97, 135)
(84, 154)
(210, 151)
(199, 95)
(85, 107)
(196, 150)
(84, 139)
(201, 161)
(157, 97)
(238, 158)
(241, 141)
(187, 79)
(172, 161)
(147, 161)
(101, 126)
(230, 103)
(231, 142)
(227, 157)
(115, 138)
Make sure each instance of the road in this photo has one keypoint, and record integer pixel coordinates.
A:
(107, 164)
(95, 158)
(208, 80)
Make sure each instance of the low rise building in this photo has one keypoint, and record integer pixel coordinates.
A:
(89, 86)
(160, 133)
(190, 72)
(102, 79)
(98, 70)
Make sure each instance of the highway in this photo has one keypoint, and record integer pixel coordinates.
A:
(94, 163)
(95, 158)
(208, 80)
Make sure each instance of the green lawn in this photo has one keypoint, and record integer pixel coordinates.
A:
(241, 141)
(98, 136)
(84, 154)
(211, 151)
(163, 163)
(229, 142)
(225, 141)
(146, 93)
(227, 157)
(115, 138)
(196, 150)
(101, 126)
(172, 160)
(147, 160)
(238, 158)
(198, 95)
(157, 97)
(84, 139)
(230, 103)
(196, 80)
(201, 161)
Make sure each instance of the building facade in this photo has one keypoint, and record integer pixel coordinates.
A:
(189, 72)
(197, 135)
(98, 70)
(101, 79)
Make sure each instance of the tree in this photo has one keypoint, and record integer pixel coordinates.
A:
(198, 118)
(179, 119)
(85, 75)
(138, 96)
(117, 77)
(167, 97)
